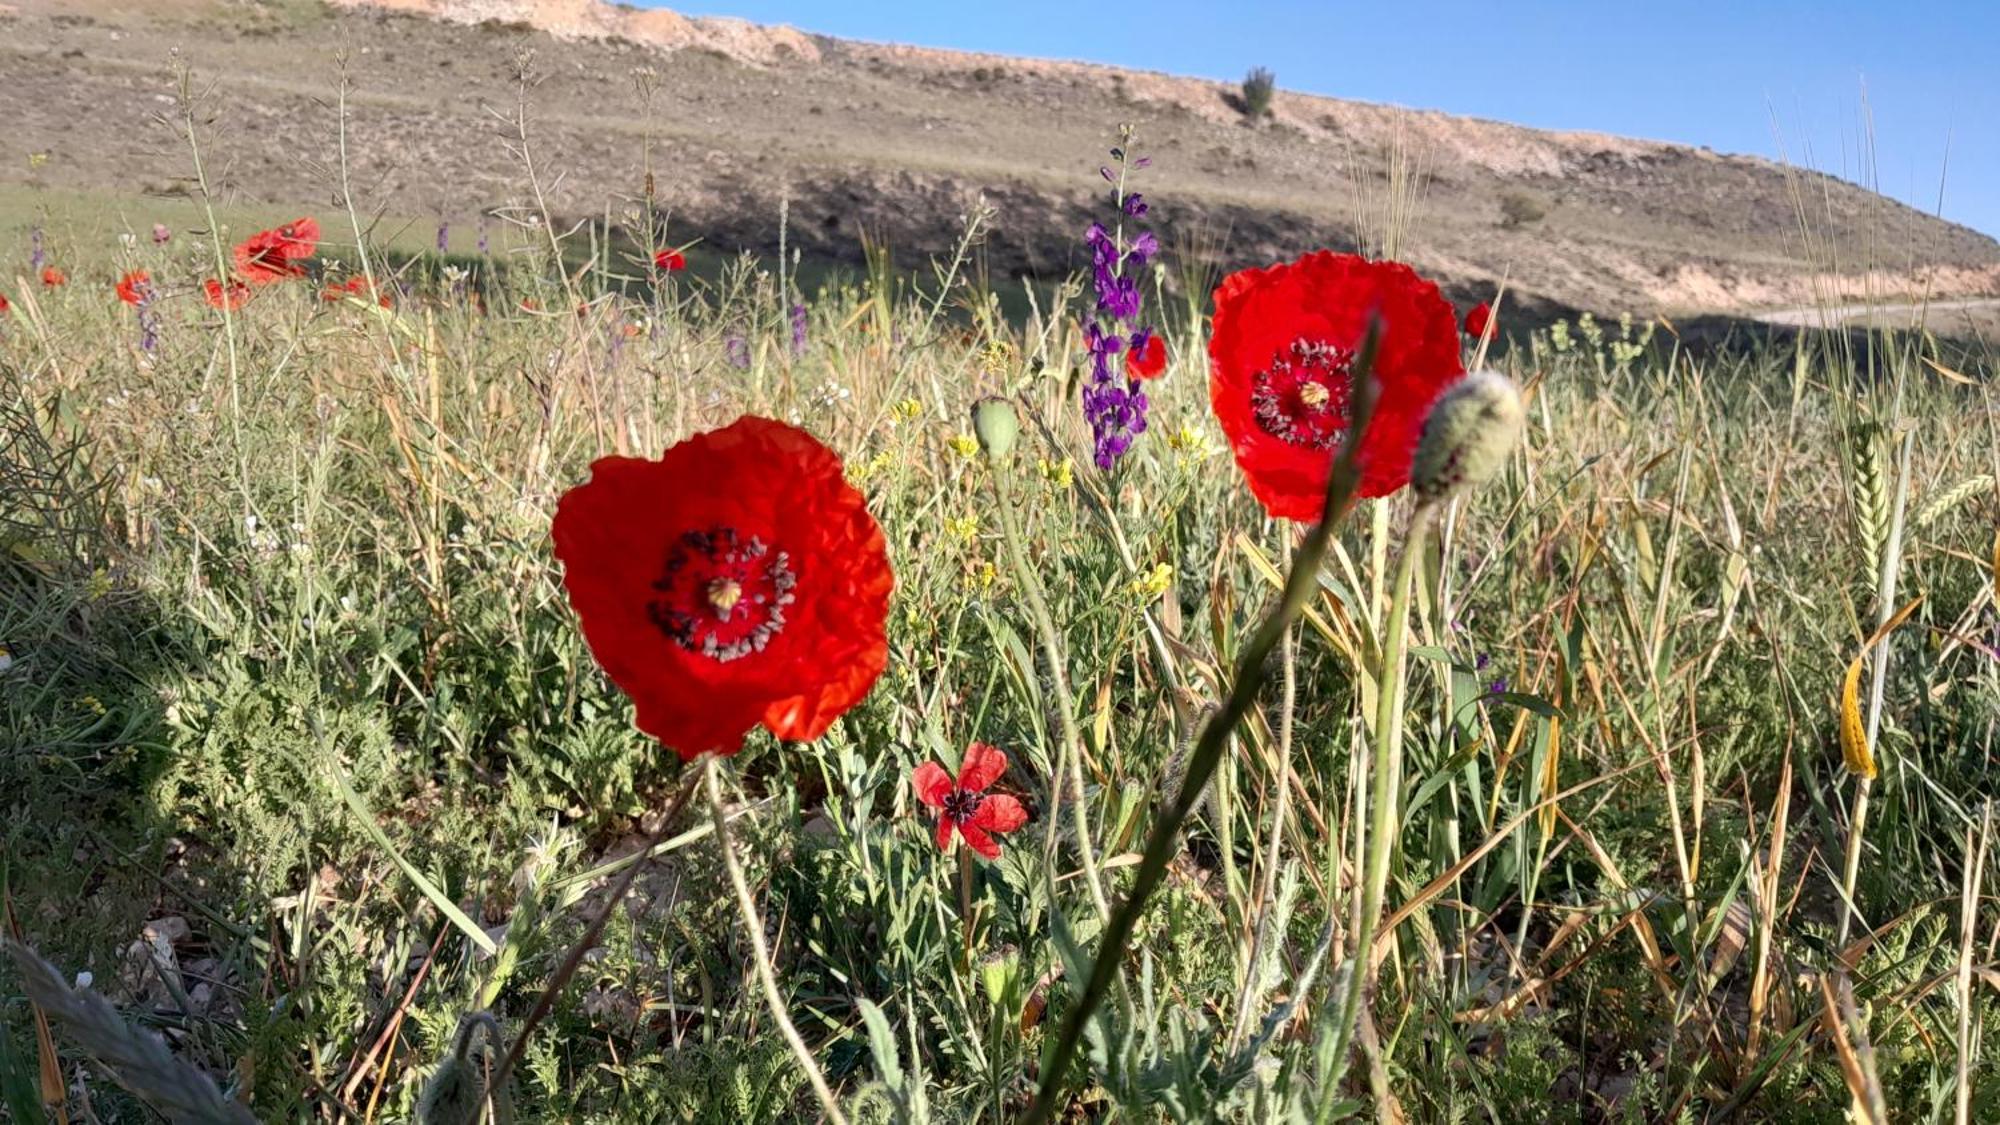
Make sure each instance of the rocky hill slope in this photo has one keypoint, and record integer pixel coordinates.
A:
(902, 143)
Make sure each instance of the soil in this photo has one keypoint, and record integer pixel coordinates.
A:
(901, 144)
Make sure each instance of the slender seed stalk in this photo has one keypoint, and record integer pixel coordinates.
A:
(753, 924)
(1386, 768)
(1071, 756)
(1300, 585)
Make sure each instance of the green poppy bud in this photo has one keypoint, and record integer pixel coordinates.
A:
(996, 424)
(1469, 434)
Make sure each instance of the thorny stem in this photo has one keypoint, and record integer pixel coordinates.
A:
(753, 924)
(1387, 772)
(1070, 764)
(1300, 584)
(588, 940)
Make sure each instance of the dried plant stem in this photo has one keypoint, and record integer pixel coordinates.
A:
(1069, 766)
(753, 925)
(588, 940)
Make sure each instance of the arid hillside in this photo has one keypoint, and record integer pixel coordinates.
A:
(901, 143)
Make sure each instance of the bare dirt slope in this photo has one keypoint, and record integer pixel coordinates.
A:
(901, 142)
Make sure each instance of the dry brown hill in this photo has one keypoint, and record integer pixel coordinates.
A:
(902, 142)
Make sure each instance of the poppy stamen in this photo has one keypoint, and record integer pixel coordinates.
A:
(961, 806)
(721, 595)
(1301, 398)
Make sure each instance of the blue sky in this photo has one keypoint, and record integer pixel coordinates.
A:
(1736, 75)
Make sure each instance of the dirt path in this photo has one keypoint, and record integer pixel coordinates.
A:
(1895, 314)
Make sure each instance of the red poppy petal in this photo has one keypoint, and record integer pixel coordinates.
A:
(982, 766)
(1000, 813)
(944, 827)
(931, 783)
(979, 841)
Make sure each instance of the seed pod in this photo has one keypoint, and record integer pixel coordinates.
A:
(996, 424)
(1469, 434)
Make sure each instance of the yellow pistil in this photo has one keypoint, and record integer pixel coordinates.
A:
(1314, 395)
(723, 594)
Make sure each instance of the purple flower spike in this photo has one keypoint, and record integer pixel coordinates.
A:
(1135, 205)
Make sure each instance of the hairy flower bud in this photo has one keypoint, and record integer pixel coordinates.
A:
(1468, 435)
(994, 420)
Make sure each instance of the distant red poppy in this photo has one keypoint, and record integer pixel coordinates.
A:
(630, 330)
(1477, 319)
(4, 303)
(1279, 381)
(274, 255)
(232, 298)
(52, 277)
(1149, 359)
(669, 261)
(737, 580)
(529, 304)
(135, 287)
(964, 805)
(356, 286)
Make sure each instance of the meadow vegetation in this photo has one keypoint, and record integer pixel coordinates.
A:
(307, 764)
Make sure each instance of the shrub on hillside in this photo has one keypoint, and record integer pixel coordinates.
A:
(1258, 87)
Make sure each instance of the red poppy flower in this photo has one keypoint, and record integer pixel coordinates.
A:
(4, 304)
(1477, 319)
(669, 261)
(274, 255)
(232, 298)
(1149, 359)
(135, 287)
(737, 580)
(963, 803)
(1279, 352)
(356, 286)
(53, 277)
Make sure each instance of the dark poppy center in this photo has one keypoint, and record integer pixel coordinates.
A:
(722, 596)
(1301, 398)
(960, 805)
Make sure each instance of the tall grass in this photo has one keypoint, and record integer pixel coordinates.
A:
(289, 660)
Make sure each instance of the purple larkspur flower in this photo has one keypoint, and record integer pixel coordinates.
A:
(482, 234)
(1135, 205)
(798, 329)
(737, 349)
(1498, 686)
(1113, 404)
(149, 322)
(444, 235)
(37, 255)
(1479, 663)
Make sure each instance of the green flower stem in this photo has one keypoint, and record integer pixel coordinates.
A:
(753, 925)
(1070, 763)
(1300, 585)
(1386, 770)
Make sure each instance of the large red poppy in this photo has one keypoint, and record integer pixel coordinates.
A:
(964, 806)
(1280, 352)
(232, 296)
(737, 580)
(135, 287)
(275, 254)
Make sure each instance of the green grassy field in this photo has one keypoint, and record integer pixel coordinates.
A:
(305, 761)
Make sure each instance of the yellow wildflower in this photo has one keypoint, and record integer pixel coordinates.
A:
(1154, 582)
(962, 528)
(965, 445)
(1059, 475)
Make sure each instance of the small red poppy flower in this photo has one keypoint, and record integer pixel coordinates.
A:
(135, 287)
(4, 303)
(356, 286)
(1477, 318)
(1149, 359)
(52, 277)
(670, 261)
(1280, 352)
(231, 298)
(274, 255)
(963, 803)
(737, 580)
